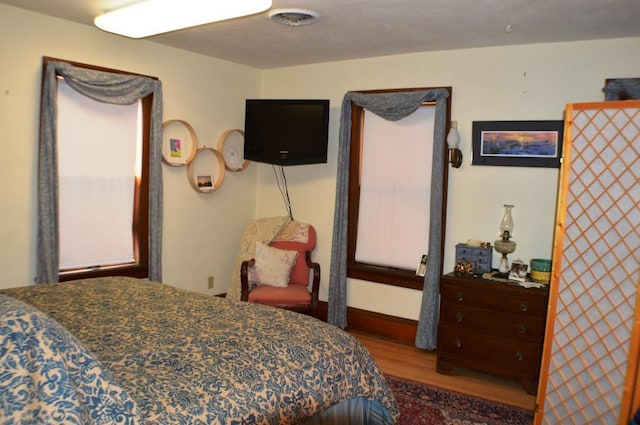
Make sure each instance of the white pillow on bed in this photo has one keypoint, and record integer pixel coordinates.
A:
(272, 266)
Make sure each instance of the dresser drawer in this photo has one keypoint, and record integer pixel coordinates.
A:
(491, 326)
(489, 353)
(493, 299)
(516, 326)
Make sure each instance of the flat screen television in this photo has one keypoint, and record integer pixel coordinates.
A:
(286, 131)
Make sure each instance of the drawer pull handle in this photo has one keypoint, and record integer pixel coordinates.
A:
(524, 306)
(519, 356)
(522, 328)
(461, 296)
(459, 317)
(458, 343)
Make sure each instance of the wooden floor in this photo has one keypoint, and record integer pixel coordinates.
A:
(409, 362)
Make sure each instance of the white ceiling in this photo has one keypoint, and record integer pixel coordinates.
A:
(350, 29)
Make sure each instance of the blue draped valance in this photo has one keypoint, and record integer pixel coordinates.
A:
(107, 87)
(391, 106)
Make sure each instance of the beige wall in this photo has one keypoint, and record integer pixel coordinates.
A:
(201, 232)
(531, 82)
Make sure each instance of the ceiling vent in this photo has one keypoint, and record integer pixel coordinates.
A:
(293, 17)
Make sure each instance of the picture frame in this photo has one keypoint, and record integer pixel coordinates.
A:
(175, 148)
(206, 171)
(231, 145)
(518, 270)
(621, 88)
(518, 143)
(204, 182)
(179, 143)
(421, 271)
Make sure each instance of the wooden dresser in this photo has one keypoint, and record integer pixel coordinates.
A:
(491, 327)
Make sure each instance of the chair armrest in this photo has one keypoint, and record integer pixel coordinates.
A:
(315, 286)
(244, 279)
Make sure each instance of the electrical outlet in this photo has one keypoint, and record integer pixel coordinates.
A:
(210, 282)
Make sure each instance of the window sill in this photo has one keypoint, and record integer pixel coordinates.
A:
(401, 278)
(139, 271)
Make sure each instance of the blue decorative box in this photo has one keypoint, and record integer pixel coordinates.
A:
(480, 258)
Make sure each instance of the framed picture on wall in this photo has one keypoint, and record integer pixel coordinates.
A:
(205, 182)
(179, 143)
(518, 143)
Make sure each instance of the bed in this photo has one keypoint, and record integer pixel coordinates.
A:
(123, 350)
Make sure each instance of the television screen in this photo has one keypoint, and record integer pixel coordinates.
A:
(286, 131)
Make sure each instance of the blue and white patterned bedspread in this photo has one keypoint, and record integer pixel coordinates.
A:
(178, 357)
(48, 377)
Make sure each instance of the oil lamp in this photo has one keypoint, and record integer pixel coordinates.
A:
(505, 246)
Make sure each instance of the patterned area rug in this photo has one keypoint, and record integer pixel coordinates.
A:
(422, 404)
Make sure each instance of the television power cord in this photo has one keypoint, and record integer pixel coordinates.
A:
(281, 180)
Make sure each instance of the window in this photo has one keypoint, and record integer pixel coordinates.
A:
(103, 169)
(389, 195)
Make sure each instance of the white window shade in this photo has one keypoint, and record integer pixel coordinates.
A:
(98, 149)
(393, 219)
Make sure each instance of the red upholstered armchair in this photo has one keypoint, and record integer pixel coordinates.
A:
(280, 272)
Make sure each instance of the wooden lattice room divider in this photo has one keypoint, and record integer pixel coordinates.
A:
(590, 358)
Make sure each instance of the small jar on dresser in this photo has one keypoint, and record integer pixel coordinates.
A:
(491, 327)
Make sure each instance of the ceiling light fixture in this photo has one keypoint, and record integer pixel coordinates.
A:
(294, 17)
(153, 17)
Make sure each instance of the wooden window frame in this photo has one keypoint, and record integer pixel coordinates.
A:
(367, 272)
(139, 268)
